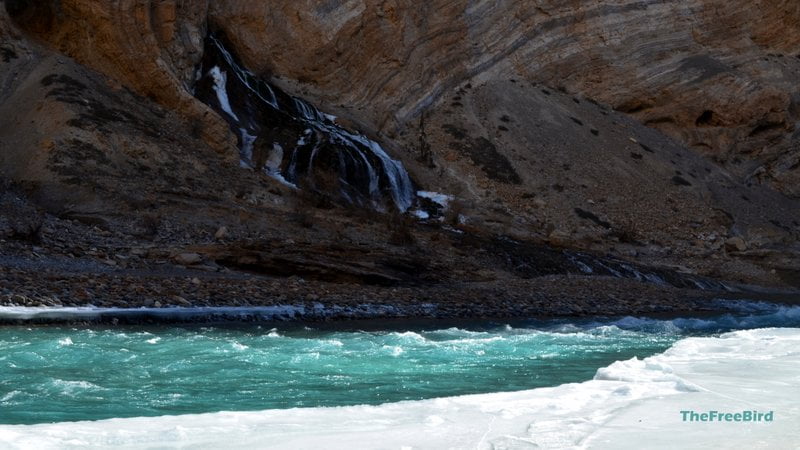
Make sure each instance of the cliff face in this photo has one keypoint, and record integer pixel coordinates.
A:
(657, 130)
(150, 46)
(720, 76)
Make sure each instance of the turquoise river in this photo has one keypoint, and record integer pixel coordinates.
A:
(64, 373)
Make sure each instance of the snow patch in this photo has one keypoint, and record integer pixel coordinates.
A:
(420, 214)
(440, 199)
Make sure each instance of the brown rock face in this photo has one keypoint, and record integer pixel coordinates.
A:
(722, 77)
(151, 47)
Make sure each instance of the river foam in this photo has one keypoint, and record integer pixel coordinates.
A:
(628, 404)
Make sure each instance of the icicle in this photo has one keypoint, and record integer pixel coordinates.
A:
(220, 81)
(245, 75)
(246, 151)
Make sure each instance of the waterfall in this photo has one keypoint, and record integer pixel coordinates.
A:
(304, 146)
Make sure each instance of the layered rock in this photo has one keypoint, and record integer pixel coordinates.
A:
(721, 77)
(151, 47)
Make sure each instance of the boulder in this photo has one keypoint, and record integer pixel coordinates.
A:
(188, 259)
(558, 238)
(221, 233)
(735, 244)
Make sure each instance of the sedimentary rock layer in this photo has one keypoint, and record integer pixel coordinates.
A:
(720, 76)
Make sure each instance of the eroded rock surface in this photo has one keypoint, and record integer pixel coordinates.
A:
(720, 76)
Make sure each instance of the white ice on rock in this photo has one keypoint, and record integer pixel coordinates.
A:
(420, 214)
(220, 81)
(308, 112)
(440, 199)
(631, 404)
(267, 96)
(400, 185)
(273, 165)
(399, 180)
(246, 152)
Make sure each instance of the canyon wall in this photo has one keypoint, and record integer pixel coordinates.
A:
(149, 46)
(722, 77)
